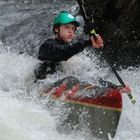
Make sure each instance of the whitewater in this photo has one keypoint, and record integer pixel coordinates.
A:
(22, 117)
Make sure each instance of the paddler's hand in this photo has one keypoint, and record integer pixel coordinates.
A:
(125, 89)
(98, 42)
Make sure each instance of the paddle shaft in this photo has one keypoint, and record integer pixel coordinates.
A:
(119, 78)
(92, 32)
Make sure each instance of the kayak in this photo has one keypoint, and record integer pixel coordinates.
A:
(93, 107)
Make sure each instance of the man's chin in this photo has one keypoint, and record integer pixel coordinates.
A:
(69, 40)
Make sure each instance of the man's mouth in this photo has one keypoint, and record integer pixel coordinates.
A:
(70, 36)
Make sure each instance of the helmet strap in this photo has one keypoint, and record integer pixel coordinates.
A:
(57, 33)
(58, 27)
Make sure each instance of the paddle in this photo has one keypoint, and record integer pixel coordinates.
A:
(91, 32)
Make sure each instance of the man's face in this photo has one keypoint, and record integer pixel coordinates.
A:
(67, 32)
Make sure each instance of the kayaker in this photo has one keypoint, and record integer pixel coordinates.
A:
(53, 51)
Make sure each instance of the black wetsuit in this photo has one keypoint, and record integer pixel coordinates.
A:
(53, 51)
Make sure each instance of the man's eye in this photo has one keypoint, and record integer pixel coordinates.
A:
(73, 28)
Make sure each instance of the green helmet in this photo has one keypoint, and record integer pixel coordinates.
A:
(63, 18)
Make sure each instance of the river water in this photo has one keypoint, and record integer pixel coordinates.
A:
(23, 116)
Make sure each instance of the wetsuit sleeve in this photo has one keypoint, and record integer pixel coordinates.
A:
(61, 52)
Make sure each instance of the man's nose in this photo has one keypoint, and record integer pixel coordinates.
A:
(71, 30)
